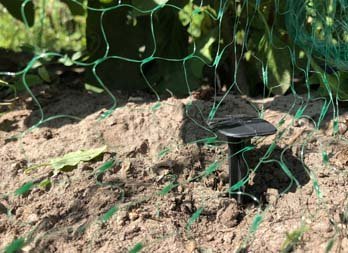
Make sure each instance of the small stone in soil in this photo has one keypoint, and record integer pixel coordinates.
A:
(33, 218)
(272, 196)
(133, 216)
(344, 244)
(18, 167)
(126, 168)
(191, 246)
(47, 134)
(122, 216)
(228, 237)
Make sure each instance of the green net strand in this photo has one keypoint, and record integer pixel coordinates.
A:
(318, 25)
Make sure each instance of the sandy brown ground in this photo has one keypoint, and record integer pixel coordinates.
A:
(65, 217)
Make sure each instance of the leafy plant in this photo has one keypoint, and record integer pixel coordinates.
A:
(21, 10)
(167, 48)
(65, 163)
(73, 158)
(51, 25)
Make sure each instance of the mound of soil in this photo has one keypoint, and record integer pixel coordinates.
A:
(155, 144)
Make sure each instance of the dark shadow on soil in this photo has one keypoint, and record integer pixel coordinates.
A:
(272, 176)
(312, 108)
(8, 125)
(268, 175)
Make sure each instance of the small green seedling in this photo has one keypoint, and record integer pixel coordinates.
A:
(293, 238)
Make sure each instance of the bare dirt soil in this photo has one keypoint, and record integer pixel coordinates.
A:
(65, 217)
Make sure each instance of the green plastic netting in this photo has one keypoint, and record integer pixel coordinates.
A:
(168, 47)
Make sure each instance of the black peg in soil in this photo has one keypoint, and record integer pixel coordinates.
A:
(239, 130)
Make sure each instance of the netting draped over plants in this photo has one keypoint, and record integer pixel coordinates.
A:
(261, 48)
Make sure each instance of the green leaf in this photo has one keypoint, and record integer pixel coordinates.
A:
(92, 88)
(194, 217)
(293, 238)
(66, 60)
(107, 216)
(106, 1)
(24, 188)
(155, 74)
(45, 184)
(137, 248)
(205, 45)
(288, 173)
(73, 158)
(43, 73)
(15, 246)
(194, 19)
(14, 8)
(148, 4)
(277, 66)
(336, 84)
(317, 189)
(209, 140)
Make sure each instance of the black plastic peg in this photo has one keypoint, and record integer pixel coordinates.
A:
(239, 130)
